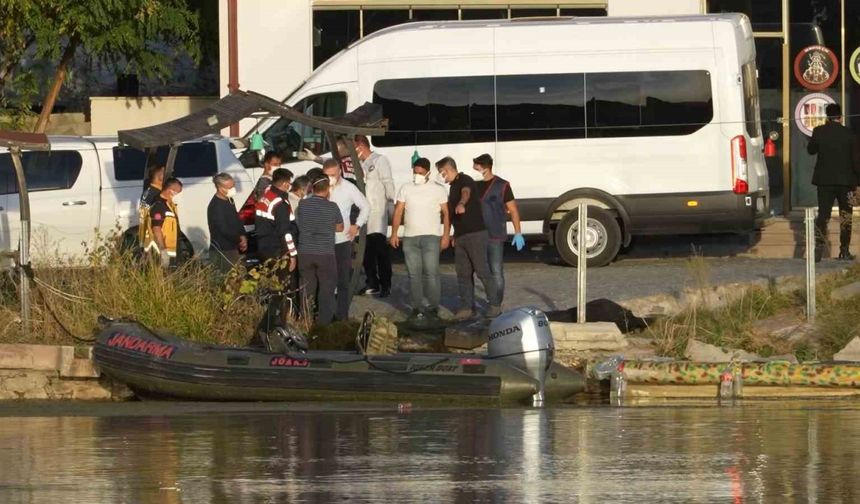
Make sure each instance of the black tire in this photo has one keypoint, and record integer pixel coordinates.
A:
(604, 231)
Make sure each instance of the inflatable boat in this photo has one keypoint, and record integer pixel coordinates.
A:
(517, 368)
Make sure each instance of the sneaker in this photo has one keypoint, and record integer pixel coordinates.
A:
(384, 293)
(463, 314)
(368, 291)
(493, 311)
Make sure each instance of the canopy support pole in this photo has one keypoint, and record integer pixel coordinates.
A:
(24, 245)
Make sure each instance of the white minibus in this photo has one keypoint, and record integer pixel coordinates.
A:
(653, 122)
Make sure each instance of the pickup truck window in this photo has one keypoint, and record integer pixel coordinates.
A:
(45, 171)
(192, 160)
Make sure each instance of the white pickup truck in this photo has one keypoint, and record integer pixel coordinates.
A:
(86, 185)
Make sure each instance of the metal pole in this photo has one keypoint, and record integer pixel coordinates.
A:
(581, 261)
(358, 260)
(809, 220)
(171, 159)
(24, 245)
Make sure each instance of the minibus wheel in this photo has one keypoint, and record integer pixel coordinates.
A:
(603, 237)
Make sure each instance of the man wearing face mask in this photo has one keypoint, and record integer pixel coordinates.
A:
(470, 241)
(380, 192)
(162, 234)
(497, 202)
(275, 224)
(426, 233)
(318, 221)
(226, 233)
(345, 195)
(275, 220)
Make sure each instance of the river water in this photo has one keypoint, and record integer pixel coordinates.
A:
(239, 453)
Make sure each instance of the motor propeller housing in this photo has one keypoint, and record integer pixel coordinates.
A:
(523, 338)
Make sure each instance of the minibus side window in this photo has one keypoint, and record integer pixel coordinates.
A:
(629, 104)
(540, 107)
(435, 111)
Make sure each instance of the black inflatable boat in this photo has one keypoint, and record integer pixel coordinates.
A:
(155, 365)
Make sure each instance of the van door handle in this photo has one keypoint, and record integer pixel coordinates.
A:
(74, 203)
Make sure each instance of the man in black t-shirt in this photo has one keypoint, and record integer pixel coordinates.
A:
(470, 241)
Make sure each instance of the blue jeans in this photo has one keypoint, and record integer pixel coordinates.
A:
(495, 258)
(422, 264)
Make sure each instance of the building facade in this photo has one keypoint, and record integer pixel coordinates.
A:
(808, 54)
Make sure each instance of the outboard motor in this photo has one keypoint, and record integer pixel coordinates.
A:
(522, 338)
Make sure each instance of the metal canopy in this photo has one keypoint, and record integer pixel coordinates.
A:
(26, 141)
(365, 120)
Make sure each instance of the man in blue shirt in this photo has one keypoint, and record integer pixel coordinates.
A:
(497, 202)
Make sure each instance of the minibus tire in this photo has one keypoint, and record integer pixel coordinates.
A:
(602, 223)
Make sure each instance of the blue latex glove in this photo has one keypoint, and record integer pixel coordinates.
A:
(519, 242)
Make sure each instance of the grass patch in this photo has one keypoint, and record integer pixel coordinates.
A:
(192, 302)
(730, 326)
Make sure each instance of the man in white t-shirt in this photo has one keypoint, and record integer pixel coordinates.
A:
(426, 233)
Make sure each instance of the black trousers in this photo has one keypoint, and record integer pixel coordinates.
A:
(377, 262)
(826, 196)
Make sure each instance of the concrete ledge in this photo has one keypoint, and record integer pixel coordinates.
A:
(36, 357)
(53, 372)
(592, 336)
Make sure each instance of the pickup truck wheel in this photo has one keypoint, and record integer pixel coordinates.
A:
(603, 237)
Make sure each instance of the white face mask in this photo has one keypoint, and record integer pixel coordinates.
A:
(332, 180)
(231, 193)
(440, 179)
(177, 197)
(419, 179)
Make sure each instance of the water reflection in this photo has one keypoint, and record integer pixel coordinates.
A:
(754, 453)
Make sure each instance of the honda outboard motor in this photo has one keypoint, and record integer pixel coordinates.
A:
(522, 337)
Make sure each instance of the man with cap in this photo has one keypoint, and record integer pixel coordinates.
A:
(497, 202)
(424, 203)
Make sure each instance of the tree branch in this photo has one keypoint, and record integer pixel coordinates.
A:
(59, 79)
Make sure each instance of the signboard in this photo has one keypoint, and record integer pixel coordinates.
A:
(816, 68)
(810, 112)
(854, 65)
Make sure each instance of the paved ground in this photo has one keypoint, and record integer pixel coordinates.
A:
(537, 278)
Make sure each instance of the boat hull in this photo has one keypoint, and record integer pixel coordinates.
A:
(158, 366)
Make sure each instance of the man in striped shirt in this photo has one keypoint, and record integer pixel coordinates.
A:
(318, 221)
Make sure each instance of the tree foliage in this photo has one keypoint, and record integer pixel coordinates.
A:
(128, 36)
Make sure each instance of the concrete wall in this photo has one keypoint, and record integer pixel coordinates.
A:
(655, 7)
(275, 46)
(109, 114)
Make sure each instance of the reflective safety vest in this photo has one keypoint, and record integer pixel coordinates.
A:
(169, 229)
(275, 224)
(150, 195)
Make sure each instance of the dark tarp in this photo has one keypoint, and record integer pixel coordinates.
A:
(365, 120)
